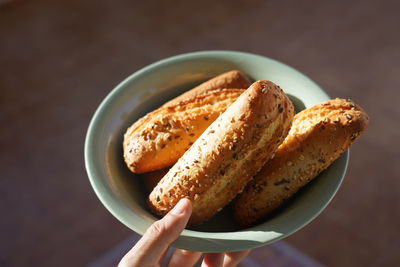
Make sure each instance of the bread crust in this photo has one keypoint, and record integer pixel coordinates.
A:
(319, 135)
(230, 79)
(161, 137)
(228, 154)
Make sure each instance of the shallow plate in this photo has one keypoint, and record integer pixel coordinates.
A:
(124, 196)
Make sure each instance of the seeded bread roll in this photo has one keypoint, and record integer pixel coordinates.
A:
(230, 79)
(161, 137)
(319, 135)
(228, 154)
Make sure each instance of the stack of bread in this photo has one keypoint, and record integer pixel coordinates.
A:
(229, 141)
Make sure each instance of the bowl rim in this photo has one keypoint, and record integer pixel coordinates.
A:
(110, 201)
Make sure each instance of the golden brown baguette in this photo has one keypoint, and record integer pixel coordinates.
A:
(228, 154)
(319, 135)
(230, 79)
(161, 137)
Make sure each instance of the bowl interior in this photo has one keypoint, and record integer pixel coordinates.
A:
(123, 193)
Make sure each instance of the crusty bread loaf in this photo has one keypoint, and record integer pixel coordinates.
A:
(161, 137)
(228, 154)
(319, 135)
(230, 79)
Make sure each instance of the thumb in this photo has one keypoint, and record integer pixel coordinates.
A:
(159, 236)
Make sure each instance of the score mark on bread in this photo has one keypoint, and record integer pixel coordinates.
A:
(230, 79)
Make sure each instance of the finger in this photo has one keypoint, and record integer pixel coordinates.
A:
(180, 256)
(149, 249)
(232, 259)
(213, 260)
(162, 256)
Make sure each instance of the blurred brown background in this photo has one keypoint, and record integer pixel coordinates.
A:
(59, 59)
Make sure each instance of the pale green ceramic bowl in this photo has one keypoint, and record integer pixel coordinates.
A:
(123, 194)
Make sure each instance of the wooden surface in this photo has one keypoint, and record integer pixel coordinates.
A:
(59, 59)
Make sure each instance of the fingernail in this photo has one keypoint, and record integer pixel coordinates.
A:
(180, 207)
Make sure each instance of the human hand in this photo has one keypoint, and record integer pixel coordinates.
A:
(152, 247)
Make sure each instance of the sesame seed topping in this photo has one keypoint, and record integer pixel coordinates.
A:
(348, 116)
